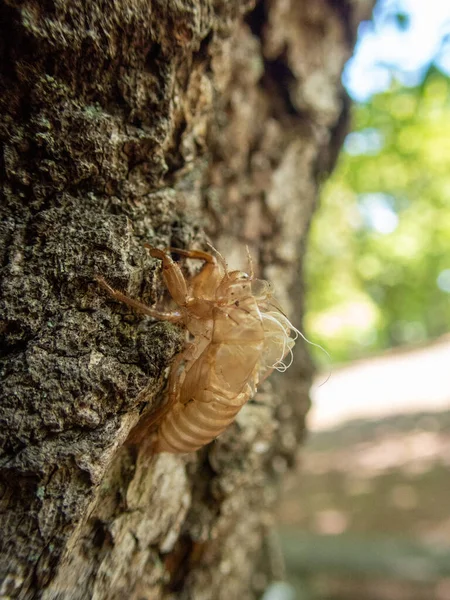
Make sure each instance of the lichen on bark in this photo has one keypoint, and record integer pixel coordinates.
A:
(174, 123)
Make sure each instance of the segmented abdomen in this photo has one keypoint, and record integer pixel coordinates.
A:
(189, 427)
(218, 382)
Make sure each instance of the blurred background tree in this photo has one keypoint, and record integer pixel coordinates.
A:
(378, 268)
(369, 515)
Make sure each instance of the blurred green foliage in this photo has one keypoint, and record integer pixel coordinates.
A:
(378, 265)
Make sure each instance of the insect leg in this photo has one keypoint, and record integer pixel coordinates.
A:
(174, 317)
(173, 277)
(148, 420)
(195, 254)
(174, 380)
(204, 284)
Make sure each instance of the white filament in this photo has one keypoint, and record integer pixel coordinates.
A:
(274, 318)
(286, 328)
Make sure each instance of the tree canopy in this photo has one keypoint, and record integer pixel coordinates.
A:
(378, 268)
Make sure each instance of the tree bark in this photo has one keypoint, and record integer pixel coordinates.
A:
(171, 122)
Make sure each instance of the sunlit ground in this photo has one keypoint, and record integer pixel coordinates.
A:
(397, 382)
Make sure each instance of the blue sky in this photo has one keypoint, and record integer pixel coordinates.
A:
(385, 50)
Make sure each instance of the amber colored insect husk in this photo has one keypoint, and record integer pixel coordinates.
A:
(237, 339)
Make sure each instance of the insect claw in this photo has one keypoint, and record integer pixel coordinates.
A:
(222, 261)
(250, 262)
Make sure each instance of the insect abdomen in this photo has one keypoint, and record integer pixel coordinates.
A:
(189, 427)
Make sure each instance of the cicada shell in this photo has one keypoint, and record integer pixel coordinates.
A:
(237, 335)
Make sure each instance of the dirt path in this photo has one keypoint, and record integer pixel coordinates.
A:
(402, 382)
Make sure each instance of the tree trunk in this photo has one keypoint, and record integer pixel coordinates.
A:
(170, 122)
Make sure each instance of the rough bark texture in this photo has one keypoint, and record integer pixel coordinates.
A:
(167, 121)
